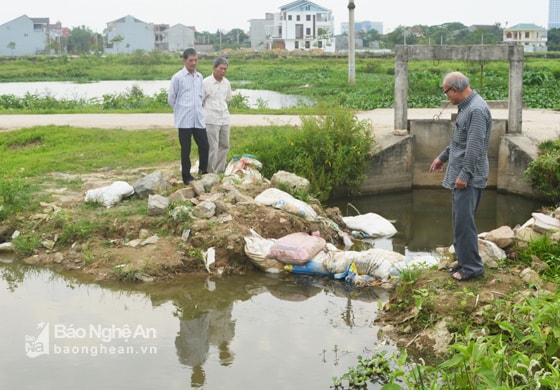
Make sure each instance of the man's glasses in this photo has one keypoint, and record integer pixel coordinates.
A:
(447, 90)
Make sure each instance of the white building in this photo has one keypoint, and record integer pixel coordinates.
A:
(553, 14)
(532, 37)
(300, 25)
(24, 36)
(179, 37)
(128, 34)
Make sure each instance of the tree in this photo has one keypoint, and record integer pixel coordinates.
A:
(116, 40)
(80, 40)
(553, 42)
(11, 46)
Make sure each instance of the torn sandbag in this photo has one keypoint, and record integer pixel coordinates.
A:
(109, 195)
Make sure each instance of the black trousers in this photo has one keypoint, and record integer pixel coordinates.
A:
(201, 140)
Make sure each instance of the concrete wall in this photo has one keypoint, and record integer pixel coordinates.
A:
(391, 169)
(515, 154)
(404, 164)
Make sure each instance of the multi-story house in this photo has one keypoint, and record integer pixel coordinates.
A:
(553, 14)
(24, 36)
(300, 25)
(128, 34)
(179, 37)
(531, 36)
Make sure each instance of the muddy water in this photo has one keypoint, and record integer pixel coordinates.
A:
(422, 217)
(246, 332)
(75, 91)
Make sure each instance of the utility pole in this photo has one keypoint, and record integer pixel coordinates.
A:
(351, 44)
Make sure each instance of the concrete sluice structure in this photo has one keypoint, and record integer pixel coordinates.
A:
(403, 162)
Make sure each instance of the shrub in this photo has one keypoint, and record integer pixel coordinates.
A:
(331, 151)
(544, 171)
(15, 196)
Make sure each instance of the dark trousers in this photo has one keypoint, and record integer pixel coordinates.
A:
(201, 140)
(465, 236)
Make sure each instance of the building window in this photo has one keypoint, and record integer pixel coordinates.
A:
(320, 44)
(307, 44)
(297, 17)
(296, 44)
(308, 31)
(289, 17)
(308, 17)
(527, 34)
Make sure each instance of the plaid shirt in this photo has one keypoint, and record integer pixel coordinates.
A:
(467, 153)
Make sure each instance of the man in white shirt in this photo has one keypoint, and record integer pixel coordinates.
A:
(185, 96)
(217, 94)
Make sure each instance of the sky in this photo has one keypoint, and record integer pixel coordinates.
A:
(211, 15)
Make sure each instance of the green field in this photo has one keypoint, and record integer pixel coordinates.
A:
(324, 79)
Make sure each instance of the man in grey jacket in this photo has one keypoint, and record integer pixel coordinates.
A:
(467, 171)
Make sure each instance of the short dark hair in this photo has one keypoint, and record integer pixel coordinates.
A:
(189, 52)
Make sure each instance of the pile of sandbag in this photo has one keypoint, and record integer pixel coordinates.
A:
(302, 253)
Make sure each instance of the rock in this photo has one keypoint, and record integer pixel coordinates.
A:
(490, 253)
(150, 240)
(58, 258)
(436, 338)
(242, 198)
(502, 236)
(526, 234)
(538, 265)
(153, 183)
(182, 195)
(198, 187)
(205, 210)
(556, 213)
(7, 247)
(144, 278)
(221, 207)
(529, 276)
(545, 224)
(180, 213)
(143, 234)
(290, 181)
(209, 180)
(157, 204)
(48, 244)
(133, 243)
(5, 233)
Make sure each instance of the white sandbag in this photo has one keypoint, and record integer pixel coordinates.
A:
(109, 195)
(416, 261)
(256, 248)
(374, 225)
(375, 262)
(284, 201)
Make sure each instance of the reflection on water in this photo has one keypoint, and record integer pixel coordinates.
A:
(240, 332)
(250, 331)
(74, 91)
(423, 216)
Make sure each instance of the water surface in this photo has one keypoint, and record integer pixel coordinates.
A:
(244, 332)
(77, 91)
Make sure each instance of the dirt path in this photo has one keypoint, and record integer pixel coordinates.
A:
(538, 124)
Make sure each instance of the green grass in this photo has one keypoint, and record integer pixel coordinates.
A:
(321, 78)
(41, 150)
